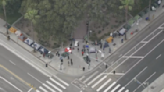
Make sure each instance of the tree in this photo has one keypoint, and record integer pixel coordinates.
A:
(32, 15)
(4, 3)
(127, 4)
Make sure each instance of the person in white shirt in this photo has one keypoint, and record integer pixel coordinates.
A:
(159, 2)
(153, 8)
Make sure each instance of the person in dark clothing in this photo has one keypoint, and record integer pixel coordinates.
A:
(78, 49)
(68, 63)
(68, 57)
(71, 62)
(78, 44)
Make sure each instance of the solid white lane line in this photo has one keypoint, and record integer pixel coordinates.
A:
(135, 76)
(29, 89)
(160, 28)
(49, 88)
(12, 62)
(158, 56)
(43, 89)
(116, 88)
(23, 58)
(34, 78)
(144, 42)
(109, 87)
(145, 81)
(99, 81)
(11, 84)
(57, 83)
(65, 83)
(120, 90)
(103, 85)
(94, 79)
(54, 86)
(136, 57)
(91, 76)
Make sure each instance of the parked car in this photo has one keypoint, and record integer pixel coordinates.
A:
(43, 50)
(28, 41)
(36, 46)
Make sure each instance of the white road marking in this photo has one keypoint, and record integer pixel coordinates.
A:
(158, 56)
(11, 84)
(57, 83)
(103, 85)
(29, 89)
(114, 74)
(127, 90)
(99, 81)
(62, 81)
(160, 28)
(145, 81)
(120, 90)
(136, 76)
(12, 62)
(43, 89)
(109, 87)
(144, 42)
(24, 59)
(91, 76)
(37, 91)
(81, 78)
(94, 79)
(34, 78)
(142, 58)
(136, 57)
(49, 88)
(54, 86)
(113, 90)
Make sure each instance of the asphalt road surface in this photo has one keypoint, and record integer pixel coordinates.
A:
(30, 77)
(135, 63)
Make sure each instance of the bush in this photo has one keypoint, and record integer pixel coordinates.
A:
(99, 32)
(93, 37)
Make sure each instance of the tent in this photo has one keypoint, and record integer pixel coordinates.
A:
(12, 30)
(122, 31)
(68, 50)
(109, 40)
(92, 50)
(28, 41)
(36, 46)
(106, 45)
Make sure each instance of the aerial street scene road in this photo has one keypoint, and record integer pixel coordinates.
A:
(79, 46)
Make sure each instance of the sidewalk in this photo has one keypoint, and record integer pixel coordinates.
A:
(78, 61)
(156, 86)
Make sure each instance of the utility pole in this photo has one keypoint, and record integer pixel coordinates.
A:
(149, 9)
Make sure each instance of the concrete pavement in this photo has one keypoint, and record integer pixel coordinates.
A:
(76, 69)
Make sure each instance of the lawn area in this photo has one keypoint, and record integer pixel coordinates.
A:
(10, 18)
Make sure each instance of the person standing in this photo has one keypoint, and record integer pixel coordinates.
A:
(82, 53)
(71, 62)
(68, 57)
(78, 49)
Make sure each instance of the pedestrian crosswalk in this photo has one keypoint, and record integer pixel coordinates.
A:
(102, 83)
(54, 84)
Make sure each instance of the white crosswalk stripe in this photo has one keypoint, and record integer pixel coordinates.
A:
(127, 90)
(57, 83)
(94, 80)
(99, 81)
(49, 88)
(103, 85)
(62, 81)
(43, 89)
(54, 86)
(90, 76)
(116, 88)
(109, 87)
(120, 90)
